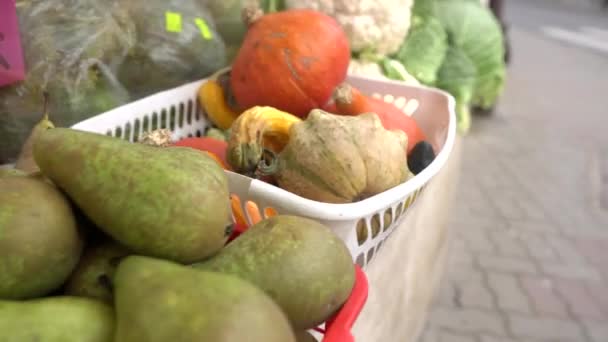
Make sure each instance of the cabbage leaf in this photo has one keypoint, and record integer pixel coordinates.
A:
(474, 29)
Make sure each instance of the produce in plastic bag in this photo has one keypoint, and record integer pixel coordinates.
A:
(93, 56)
(176, 43)
(229, 22)
(70, 47)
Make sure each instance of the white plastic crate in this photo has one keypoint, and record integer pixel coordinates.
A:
(363, 225)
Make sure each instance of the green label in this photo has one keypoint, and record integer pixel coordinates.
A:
(173, 22)
(202, 25)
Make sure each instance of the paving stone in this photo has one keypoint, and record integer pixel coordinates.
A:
(538, 247)
(509, 294)
(460, 253)
(535, 211)
(598, 331)
(599, 292)
(580, 302)
(476, 239)
(543, 297)
(473, 293)
(445, 294)
(573, 271)
(549, 329)
(490, 338)
(534, 226)
(476, 203)
(566, 249)
(453, 337)
(604, 196)
(496, 263)
(507, 243)
(485, 223)
(429, 334)
(594, 250)
(468, 321)
(589, 230)
(435, 334)
(509, 204)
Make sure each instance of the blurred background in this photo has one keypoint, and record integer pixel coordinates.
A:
(529, 262)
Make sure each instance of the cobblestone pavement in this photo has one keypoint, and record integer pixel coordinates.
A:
(529, 258)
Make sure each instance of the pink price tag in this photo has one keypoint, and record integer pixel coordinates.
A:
(12, 68)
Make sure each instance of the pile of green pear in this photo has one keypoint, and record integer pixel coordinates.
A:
(106, 240)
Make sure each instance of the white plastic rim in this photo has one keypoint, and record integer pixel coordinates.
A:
(290, 201)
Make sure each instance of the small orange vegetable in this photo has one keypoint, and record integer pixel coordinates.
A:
(212, 98)
(237, 210)
(270, 212)
(215, 147)
(253, 212)
(350, 101)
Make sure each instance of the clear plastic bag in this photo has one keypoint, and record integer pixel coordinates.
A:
(92, 56)
(69, 48)
(177, 42)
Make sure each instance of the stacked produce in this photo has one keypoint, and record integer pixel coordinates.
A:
(102, 239)
(294, 121)
(119, 241)
(455, 45)
(94, 56)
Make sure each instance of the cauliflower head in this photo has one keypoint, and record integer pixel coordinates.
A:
(366, 68)
(371, 25)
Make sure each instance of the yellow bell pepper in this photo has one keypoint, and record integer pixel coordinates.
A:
(211, 98)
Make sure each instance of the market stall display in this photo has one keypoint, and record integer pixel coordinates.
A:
(219, 169)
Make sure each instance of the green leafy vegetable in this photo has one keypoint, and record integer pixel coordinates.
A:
(476, 31)
(395, 70)
(424, 49)
(457, 76)
(423, 8)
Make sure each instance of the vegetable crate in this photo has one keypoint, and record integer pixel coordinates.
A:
(365, 225)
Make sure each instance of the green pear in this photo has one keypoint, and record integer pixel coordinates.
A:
(39, 242)
(299, 262)
(95, 271)
(171, 203)
(160, 301)
(7, 171)
(56, 319)
(305, 336)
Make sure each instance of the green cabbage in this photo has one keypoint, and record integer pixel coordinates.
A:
(424, 49)
(423, 8)
(457, 76)
(475, 30)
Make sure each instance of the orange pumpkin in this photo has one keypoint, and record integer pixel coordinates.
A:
(290, 60)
